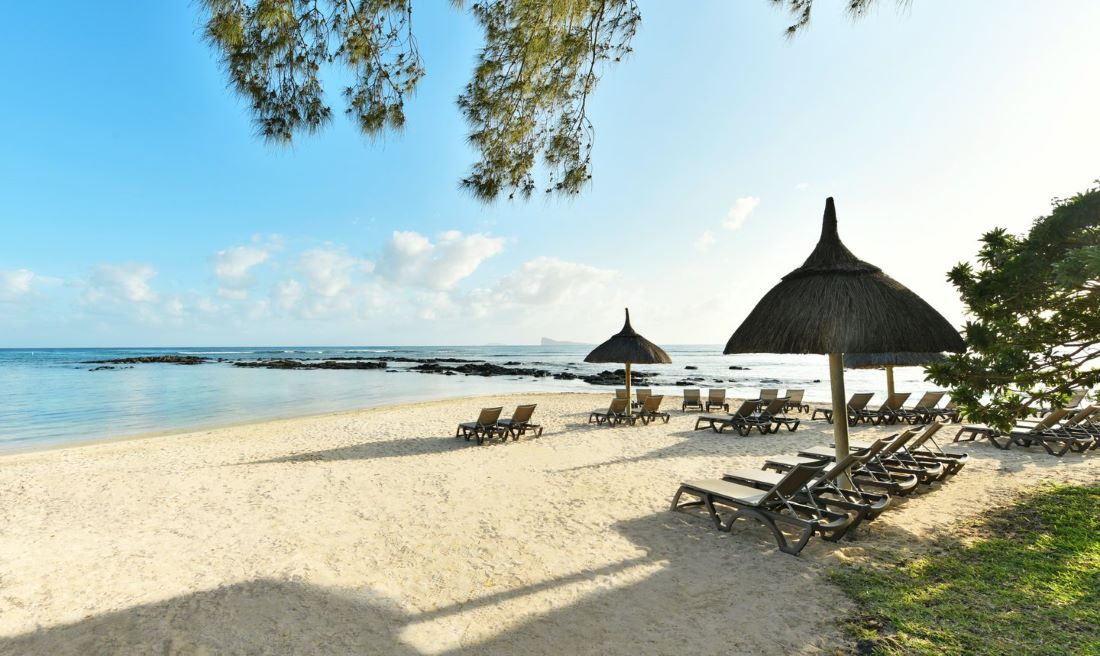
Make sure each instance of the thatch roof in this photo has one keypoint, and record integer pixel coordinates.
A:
(877, 360)
(628, 346)
(836, 302)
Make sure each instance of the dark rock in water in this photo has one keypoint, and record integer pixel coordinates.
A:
(477, 369)
(691, 366)
(103, 367)
(285, 363)
(617, 377)
(817, 380)
(152, 359)
(683, 383)
(512, 364)
(565, 375)
(737, 368)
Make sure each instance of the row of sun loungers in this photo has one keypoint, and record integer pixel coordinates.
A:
(894, 410)
(767, 418)
(812, 493)
(619, 412)
(1059, 432)
(489, 425)
(716, 398)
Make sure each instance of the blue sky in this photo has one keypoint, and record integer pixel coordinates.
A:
(138, 208)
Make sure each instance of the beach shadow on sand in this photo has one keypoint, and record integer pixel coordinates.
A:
(703, 594)
(396, 448)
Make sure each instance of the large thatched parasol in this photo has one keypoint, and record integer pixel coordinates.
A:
(628, 347)
(889, 361)
(836, 303)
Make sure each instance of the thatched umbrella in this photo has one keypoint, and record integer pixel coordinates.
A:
(889, 361)
(629, 348)
(836, 303)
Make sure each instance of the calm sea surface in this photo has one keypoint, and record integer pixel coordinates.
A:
(50, 397)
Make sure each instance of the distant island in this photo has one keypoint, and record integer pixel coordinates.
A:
(546, 341)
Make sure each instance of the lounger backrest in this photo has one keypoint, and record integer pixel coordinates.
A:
(489, 416)
(795, 395)
(769, 393)
(1076, 398)
(716, 395)
(893, 445)
(643, 394)
(523, 413)
(841, 466)
(746, 409)
(691, 395)
(859, 401)
(1051, 420)
(774, 407)
(919, 440)
(621, 393)
(896, 400)
(795, 480)
(1082, 416)
(929, 400)
(653, 403)
(618, 406)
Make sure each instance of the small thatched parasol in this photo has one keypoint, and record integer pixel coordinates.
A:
(629, 348)
(836, 303)
(889, 361)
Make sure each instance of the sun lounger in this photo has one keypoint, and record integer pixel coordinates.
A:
(485, 427)
(906, 459)
(691, 400)
(769, 394)
(743, 420)
(830, 489)
(922, 411)
(971, 432)
(520, 422)
(642, 393)
(651, 410)
(716, 398)
(1059, 438)
(774, 416)
(949, 412)
(794, 401)
(856, 405)
(874, 473)
(923, 448)
(616, 414)
(887, 413)
(776, 505)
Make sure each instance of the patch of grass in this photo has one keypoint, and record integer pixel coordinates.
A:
(1028, 584)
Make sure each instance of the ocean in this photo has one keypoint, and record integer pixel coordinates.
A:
(52, 397)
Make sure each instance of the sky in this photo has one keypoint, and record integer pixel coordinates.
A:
(138, 208)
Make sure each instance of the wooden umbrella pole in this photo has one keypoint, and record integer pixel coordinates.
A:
(840, 408)
(889, 381)
(628, 401)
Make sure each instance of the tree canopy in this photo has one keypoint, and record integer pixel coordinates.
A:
(1034, 302)
(526, 104)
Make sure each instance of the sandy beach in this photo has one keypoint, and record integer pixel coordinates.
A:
(376, 531)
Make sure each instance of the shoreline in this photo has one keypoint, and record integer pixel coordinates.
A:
(5, 452)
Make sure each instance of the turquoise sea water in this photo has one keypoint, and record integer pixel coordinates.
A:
(51, 397)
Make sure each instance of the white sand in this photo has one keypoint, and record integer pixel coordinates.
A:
(377, 532)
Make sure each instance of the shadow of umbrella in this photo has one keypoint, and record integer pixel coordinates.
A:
(836, 303)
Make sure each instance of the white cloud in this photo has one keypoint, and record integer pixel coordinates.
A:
(14, 284)
(122, 282)
(328, 271)
(233, 266)
(741, 209)
(412, 259)
(705, 241)
(546, 280)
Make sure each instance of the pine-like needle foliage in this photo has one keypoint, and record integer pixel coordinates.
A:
(527, 103)
(1034, 335)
